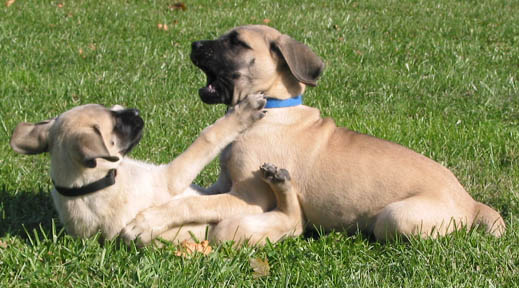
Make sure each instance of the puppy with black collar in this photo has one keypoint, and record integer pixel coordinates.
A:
(98, 189)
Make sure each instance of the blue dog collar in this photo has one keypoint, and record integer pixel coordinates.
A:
(277, 103)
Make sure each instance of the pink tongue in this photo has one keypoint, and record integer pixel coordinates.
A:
(211, 88)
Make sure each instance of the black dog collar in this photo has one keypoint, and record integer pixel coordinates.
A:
(100, 184)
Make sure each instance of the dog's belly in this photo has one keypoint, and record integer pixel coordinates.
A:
(334, 210)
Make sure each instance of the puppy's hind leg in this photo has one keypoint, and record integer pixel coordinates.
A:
(420, 216)
(285, 220)
(286, 196)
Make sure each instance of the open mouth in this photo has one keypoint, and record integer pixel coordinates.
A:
(210, 87)
(218, 84)
(215, 90)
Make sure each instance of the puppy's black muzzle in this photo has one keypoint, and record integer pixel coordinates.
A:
(203, 53)
(196, 45)
(128, 128)
(211, 57)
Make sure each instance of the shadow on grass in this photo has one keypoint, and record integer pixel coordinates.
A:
(316, 233)
(24, 211)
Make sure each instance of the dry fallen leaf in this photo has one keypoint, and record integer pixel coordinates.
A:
(260, 267)
(188, 248)
(81, 53)
(266, 20)
(3, 244)
(164, 27)
(178, 6)
(60, 5)
(9, 3)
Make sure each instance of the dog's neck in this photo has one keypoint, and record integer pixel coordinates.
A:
(284, 86)
(92, 187)
(73, 175)
(283, 103)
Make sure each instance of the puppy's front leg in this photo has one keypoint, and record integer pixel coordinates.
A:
(154, 221)
(182, 171)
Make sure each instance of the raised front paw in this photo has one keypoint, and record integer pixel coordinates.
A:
(250, 109)
(272, 174)
(146, 226)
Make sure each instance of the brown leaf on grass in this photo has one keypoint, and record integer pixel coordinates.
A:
(164, 27)
(178, 6)
(82, 53)
(188, 248)
(266, 20)
(3, 244)
(60, 5)
(92, 46)
(260, 267)
(9, 3)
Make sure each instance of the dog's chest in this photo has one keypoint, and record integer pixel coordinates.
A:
(104, 211)
(258, 145)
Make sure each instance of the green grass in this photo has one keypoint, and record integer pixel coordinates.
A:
(440, 77)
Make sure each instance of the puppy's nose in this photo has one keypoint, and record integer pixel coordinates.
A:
(196, 45)
(134, 112)
(128, 113)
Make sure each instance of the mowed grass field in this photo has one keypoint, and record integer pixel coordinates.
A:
(440, 77)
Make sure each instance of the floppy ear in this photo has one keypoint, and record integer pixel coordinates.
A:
(302, 61)
(117, 107)
(29, 138)
(90, 146)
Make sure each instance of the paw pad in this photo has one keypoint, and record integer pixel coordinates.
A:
(273, 174)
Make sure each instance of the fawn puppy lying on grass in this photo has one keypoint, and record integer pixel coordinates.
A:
(98, 189)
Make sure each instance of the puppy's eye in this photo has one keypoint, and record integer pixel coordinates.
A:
(237, 42)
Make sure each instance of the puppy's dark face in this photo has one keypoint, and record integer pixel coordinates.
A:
(127, 128)
(251, 59)
(221, 60)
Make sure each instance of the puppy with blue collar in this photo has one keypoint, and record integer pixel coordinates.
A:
(339, 179)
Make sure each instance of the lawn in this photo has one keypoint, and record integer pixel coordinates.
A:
(440, 77)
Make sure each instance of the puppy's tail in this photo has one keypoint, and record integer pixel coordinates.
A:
(489, 219)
